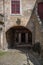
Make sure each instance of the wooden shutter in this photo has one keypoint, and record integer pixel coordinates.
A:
(40, 10)
(15, 6)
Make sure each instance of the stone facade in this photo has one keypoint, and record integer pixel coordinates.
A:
(28, 19)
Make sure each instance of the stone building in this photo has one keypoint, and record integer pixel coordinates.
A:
(21, 23)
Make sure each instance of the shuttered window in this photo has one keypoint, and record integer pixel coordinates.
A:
(40, 10)
(15, 6)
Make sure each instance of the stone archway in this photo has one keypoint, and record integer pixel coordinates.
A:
(18, 36)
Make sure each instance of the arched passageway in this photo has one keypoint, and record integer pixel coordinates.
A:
(18, 36)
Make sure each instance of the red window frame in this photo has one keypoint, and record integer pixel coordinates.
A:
(15, 6)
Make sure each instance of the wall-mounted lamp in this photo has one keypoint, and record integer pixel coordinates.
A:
(1, 15)
(1, 19)
(0, 29)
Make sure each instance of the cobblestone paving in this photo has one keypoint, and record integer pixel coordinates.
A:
(18, 57)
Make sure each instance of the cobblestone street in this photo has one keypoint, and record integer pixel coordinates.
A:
(18, 57)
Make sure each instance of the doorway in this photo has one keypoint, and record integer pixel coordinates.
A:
(18, 36)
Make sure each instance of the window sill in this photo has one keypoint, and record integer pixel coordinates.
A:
(16, 14)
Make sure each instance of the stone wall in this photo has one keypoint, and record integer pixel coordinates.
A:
(1, 6)
(31, 22)
(39, 28)
(10, 20)
(42, 40)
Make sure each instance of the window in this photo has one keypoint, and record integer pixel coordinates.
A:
(15, 6)
(40, 10)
